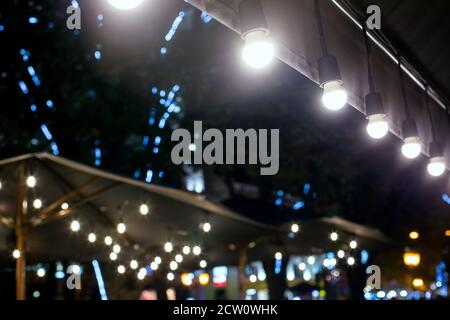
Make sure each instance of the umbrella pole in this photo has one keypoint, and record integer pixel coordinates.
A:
(20, 236)
(243, 259)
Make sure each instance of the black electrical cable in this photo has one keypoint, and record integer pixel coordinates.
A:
(402, 82)
(428, 107)
(369, 59)
(318, 14)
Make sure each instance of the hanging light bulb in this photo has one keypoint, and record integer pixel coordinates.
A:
(186, 250)
(117, 248)
(154, 266)
(206, 227)
(377, 126)
(121, 228)
(113, 256)
(121, 269)
(16, 254)
(334, 95)
(203, 264)
(295, 228)
(173, 265)
(108, 240)
(258, 50)
(41, 272)
(168, 247)
(351, 261)
(412, 146)
(197, 250)
(170, 276)
(92, 237)
(125, 4)
(353, 244)
(37, 203)
(436, 166)
(334, 236)
(31, 181)
(179, 258)
(158, 260)
(75, 226)
(341, 254)
(134, 264)
(65, 206)
(143, 209)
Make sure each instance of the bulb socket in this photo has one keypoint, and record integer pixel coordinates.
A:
(409, 128)
(374, 104)
(328, 70)
(436, 150)
(251, 16)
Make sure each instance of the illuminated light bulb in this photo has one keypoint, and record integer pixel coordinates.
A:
(117, 248)
(186, 250)
(334, 236)
(253, 278)
(206, 227)
(295, 228)
(92, 237)
(412, 147)
(31, 182)
(142, 273)
(258, 50)
(436, 166)
(170, 276)
(203, 279)
(173, 265)
(403, 293)
(311, 260)
(121, 269)
(179, 258)
(41, 272)
(134, 264)
(203, 264)
(377, 128)
(37, 203)
(278, 256)
(76, 269)
(341, 254)
(158, 260)
(75, 226)
(334, 95)
(418, 282)
(351, 261)
(186, 279)
(1, 185)
(414, 235)
(197, 250)
(108, 240)
(302, 266)
(121, 228)
(144, 210)
(411, 259)
(113, 256)
(353, 244)
(154, 266)
(125, 4)
(65, 206)
(16, 254)
(168, 247)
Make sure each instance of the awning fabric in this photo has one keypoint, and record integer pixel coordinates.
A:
(294, 30)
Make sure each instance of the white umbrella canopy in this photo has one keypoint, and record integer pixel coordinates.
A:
(100, 200)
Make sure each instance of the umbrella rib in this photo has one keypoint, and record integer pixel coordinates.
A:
(44, 213)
